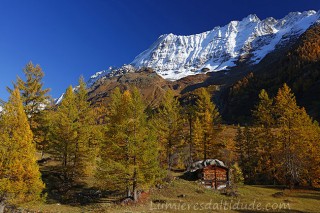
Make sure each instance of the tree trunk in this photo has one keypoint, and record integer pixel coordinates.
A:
(128, 192)
(42, 153)
(205, 147)
(134, 184)
(190, 140)
(2, 206)
(169, 154)
(135, 195)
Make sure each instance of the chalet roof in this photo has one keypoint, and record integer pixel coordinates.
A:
(204, 163)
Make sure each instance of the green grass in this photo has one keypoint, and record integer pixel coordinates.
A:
(199, 199)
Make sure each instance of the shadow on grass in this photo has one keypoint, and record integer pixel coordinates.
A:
(280, 187)
(189, 176)
(308, 195)
(60, 190)
(298, 192)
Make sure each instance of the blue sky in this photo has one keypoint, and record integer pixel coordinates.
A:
(69, 38)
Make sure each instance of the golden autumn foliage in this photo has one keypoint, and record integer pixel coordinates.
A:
(169, 124)
(296, 65)
(128, 147)
(297, 138)
(20, 179)
(285, 143)
(128, 159)
(74, 135)
(204, 131)
(34, 99)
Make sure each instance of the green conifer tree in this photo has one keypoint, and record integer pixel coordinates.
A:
(239, 143)
(263, 112)
(190, 117)
(35, 99)
(247, 147)
(129, 155)
(197, 138)
(74, 133)
(89, 134)
(208, 116)
(264, 119)
(64, 133)
(169, 123)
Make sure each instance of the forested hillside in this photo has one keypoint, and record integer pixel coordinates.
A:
(298, 67)
(86, 152)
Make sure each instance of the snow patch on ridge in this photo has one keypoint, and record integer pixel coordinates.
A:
(174, 57)
(177, 56)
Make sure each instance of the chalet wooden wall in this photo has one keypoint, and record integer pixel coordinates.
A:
(215, 176)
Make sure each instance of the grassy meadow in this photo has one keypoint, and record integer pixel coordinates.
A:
(190, 196)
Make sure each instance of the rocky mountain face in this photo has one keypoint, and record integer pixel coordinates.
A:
(151, 85)
(246, 41)
(238, 43)
(250, 54)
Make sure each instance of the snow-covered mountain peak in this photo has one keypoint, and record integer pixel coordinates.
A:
(248, 41)
(98, 75)
(176, 56)
(251, 18)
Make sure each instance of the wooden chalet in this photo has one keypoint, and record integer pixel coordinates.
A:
(212, 173)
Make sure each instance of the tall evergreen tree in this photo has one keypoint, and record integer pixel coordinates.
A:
(33, 96)
(74, 134)
(248, 149)
(264, 119)
(169, 123)
(89, 134)
(34, 99)
(64, 132)
(129, 156)
(287, 139)
(239, 143)
(293, 142)
(197, 139)
(263, 112)
(208, 116)
(20, 179)
(190, 117)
